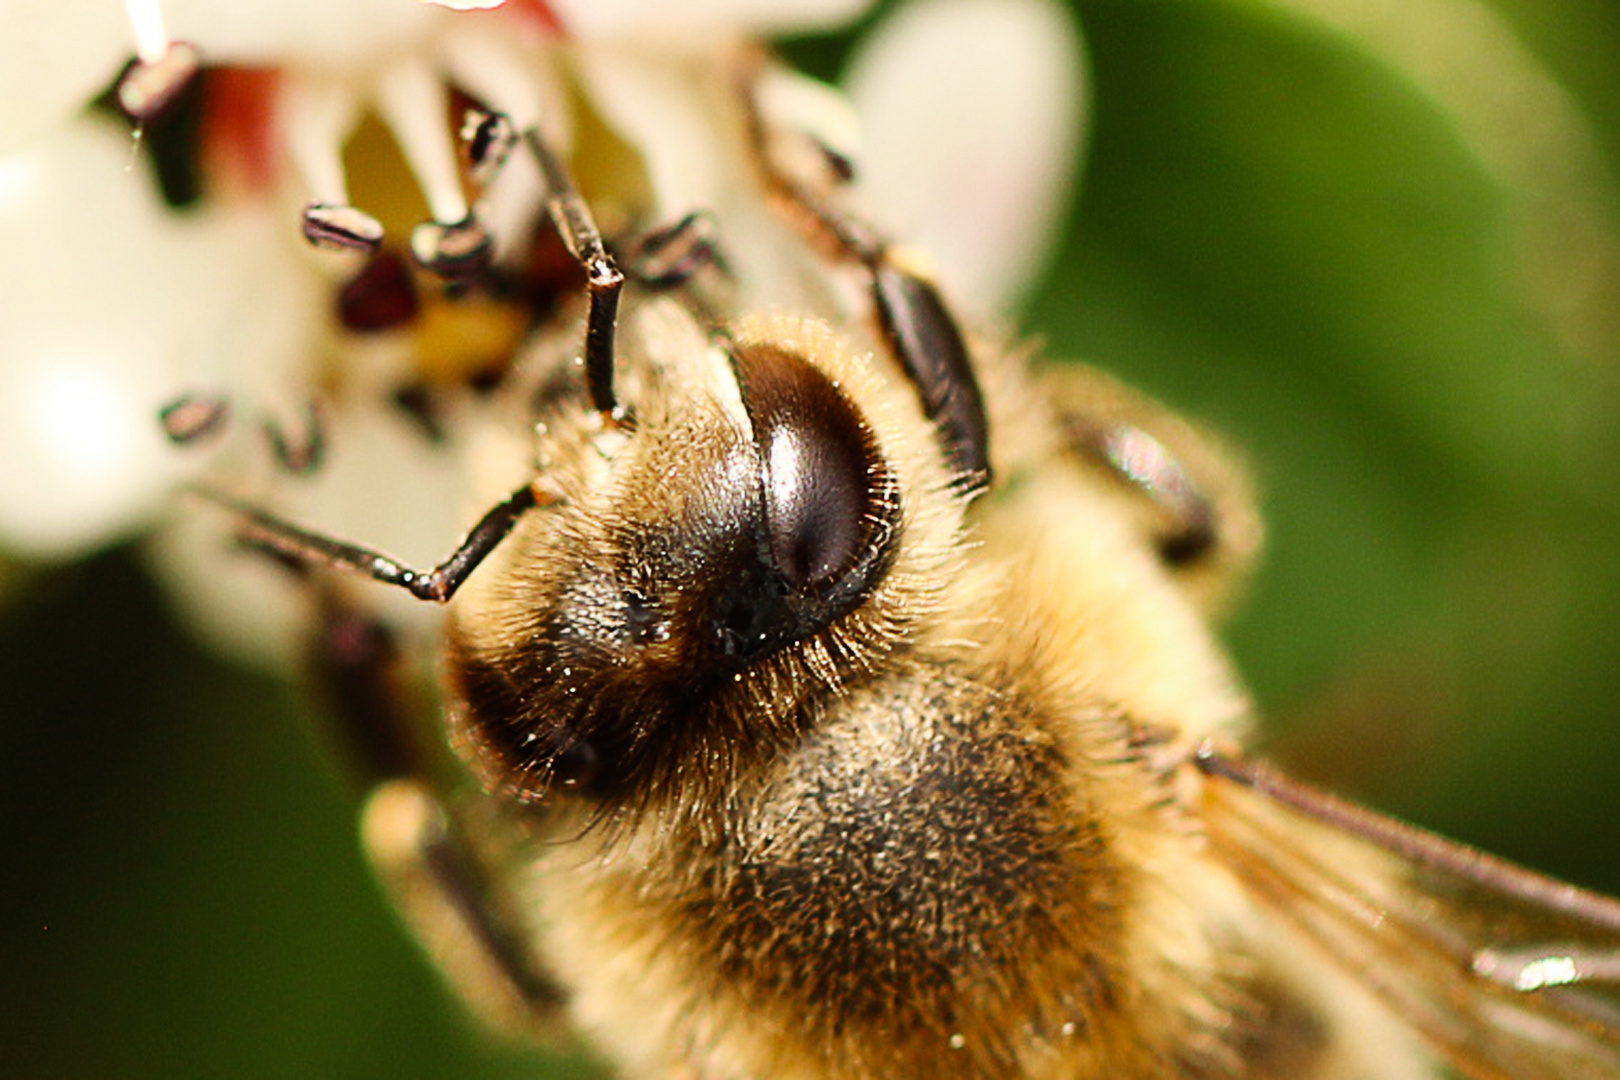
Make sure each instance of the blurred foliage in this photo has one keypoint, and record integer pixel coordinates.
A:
(1280, 231)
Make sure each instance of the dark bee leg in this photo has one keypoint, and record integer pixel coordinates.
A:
(915, 321)
(421, 851)
(300, 546)
(355, 661)
(1193, 504)
(602, 276)
(1147, 465)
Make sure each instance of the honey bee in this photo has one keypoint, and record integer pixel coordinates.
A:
(840, 700)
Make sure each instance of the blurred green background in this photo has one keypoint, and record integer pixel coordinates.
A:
(1393, 287)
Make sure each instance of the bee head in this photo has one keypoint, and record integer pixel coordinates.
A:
(707, 578)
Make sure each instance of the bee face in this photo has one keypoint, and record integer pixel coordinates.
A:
(744, 539)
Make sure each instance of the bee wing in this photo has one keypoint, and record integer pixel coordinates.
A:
(1507, 973)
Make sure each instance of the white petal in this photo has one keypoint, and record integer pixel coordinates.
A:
(115, 307)
(309, 31)
(85, 329)
(670, 115)
(972, 120)
(699, 19)
(55, 55)
(658, 111)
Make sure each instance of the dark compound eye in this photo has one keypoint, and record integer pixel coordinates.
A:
(826, 487)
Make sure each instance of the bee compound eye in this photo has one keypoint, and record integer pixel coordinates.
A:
(825, 483)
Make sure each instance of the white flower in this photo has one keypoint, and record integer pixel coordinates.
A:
(119, 305)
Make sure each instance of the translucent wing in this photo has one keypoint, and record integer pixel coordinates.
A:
(1507, 973)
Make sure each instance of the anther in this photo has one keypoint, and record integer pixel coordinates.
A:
(341, 228)
(189, 419)
(301, 458)
(148, 86)
(489, 138)
(456, 250)
(671, 257)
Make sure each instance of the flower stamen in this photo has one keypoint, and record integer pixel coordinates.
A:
(146, 24)
(162, 68)
(415, 105)
(321, 115)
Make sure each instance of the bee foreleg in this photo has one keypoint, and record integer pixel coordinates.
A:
(420, 851)
(916, 323)
(447, 895)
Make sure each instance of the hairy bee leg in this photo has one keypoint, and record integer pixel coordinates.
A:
(418, 848)
(300, 546)
(605, 281)
(421, 854)
(915, 320)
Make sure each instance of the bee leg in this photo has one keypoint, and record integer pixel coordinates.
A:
(1144, 463)
(355, 662)
(605, 281)
(916, 323)
(419, 847)
(298, 546)
(1196, 508)
(449, 898)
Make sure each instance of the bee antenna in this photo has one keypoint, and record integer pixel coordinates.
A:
(300, 546)
(603, 277)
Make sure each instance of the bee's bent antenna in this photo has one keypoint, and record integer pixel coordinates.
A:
(584, 241)
(300, 545)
